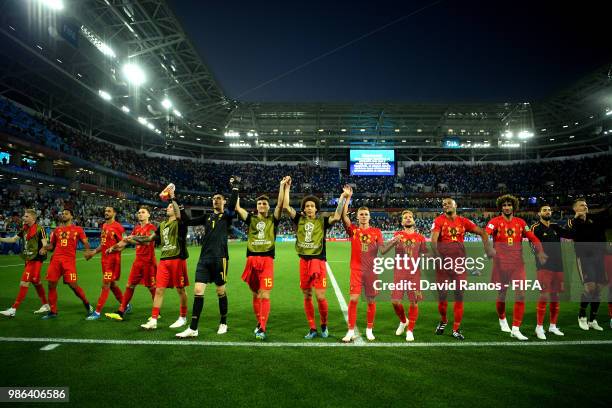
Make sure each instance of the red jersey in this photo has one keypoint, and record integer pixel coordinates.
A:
(65, 240)
(452, 230)
(411, 244)
(145, 252)
(364, 245)
(508, 238)
(111, 234)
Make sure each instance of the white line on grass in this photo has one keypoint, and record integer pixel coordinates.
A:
(304, 344)
(50, 347)
(342, 302)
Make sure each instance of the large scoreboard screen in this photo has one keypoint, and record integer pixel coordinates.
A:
(372, 162)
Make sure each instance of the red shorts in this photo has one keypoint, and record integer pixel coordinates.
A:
(505, 272)
(65, 267)
(313, 273)
(551, 281)
(259, 272)
(407, 277)
(362, 280)
(172, 273)
(31, 272)
(142, 273)
(608, 261)
(111, 269)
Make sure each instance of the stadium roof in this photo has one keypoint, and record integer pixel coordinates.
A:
(59, 63)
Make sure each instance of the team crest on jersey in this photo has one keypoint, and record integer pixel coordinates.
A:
(454, 232)
(510, 232)
(365, 238)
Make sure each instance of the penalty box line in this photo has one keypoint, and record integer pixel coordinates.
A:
(304, 344)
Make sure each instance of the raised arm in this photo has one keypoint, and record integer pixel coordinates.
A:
(231, 206)
(242, 213)
(290, 210)
(278, 210)
(348, 191)
(335, 217)
(175, 206)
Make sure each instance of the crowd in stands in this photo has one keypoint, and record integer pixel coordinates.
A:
(554, 180)
(588, 174)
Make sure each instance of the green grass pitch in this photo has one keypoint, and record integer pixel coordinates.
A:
(100, 374)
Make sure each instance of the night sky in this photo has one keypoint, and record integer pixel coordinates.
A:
(452, 51)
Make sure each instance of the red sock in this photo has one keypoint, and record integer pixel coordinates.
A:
(442, 306)
(554, 312)
(309, 309)
(155, 313)
(23, 290)
(501, 309)
(53, 299)
(102, 299)
(117, 293)
(400, 312)
(127, 296)
(371, 314)
(183, 311)
(79, 292)
(413, 314)
(610, 309)
(323, 308)
(41, 293)
(264, 312)
(541, 312)
(257, 308)
(352, 314)
(517, 315)
(457, 314)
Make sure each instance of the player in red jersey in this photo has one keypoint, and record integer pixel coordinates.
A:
(144, 267)
(508, 266)
(412, 244)
(448, 232)
(112, 233)
(64, 241)
(34, 240)
(365, 241)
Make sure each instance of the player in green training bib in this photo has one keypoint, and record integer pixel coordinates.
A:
(34, 240)
(310, 247)
(259, 269)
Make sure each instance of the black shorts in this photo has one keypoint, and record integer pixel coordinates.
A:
(591, 269)
(211, 270)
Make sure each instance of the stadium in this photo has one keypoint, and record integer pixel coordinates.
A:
(281, 206)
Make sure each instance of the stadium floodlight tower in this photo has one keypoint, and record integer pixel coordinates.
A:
(56, 5)
(134, 74)
(166, 103)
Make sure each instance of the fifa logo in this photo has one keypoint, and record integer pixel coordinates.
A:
(261, 226)
(308, 227)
